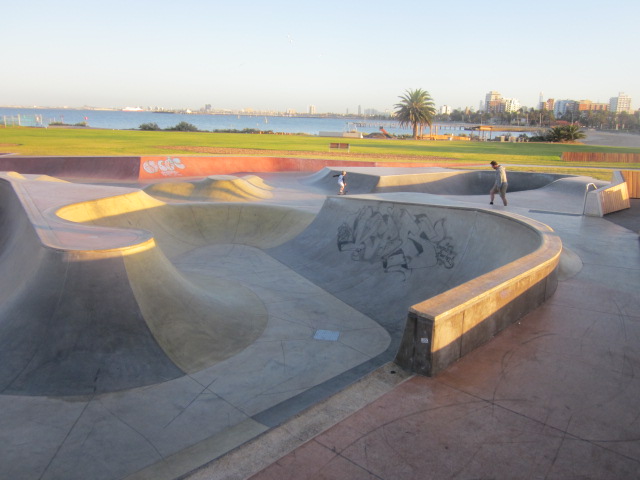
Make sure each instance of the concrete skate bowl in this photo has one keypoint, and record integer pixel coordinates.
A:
(90, 307)
(108, 294)
(222, 188)
(437, 181)
(463, 274)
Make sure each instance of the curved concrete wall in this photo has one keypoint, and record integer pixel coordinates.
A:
(59, 333)
(113, 312)
(442, 182)
(88, 308)
(385, 258)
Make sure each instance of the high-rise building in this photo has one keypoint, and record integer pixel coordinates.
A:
(548, 104)
(492, 102)
(621, 103)
(495, 103)
(445, 110)
(561, 107)
(312, 109)
(511, 105)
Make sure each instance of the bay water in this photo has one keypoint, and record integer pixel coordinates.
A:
(131, 120)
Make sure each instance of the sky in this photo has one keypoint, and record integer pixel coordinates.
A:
(336, 55)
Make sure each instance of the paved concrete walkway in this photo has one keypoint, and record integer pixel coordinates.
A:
(555, 396)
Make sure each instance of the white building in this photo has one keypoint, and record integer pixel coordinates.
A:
(312, 109)
(445, 110)
(621, 103)
(511, 105)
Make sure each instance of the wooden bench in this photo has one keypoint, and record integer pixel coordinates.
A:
(339, 146)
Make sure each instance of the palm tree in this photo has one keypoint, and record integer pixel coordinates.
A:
(416, 108)
(573, 133)
(565, 133)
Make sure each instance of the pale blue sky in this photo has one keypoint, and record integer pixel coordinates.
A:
(336, 55)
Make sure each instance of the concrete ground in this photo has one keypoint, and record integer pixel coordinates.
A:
(613, 139)
(553, 396)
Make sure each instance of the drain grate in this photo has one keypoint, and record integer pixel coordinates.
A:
(327, 335)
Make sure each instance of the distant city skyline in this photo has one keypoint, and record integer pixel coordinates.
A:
(284, 55)
(511, 105)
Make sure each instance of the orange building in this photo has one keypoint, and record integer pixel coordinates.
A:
(589, 106)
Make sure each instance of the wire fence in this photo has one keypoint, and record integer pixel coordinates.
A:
(22, 120)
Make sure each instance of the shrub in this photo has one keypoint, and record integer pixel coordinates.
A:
(563, 133)
(149, 126)
(183, 127)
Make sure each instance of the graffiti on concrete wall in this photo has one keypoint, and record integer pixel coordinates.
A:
(167, 168)
(398, 240)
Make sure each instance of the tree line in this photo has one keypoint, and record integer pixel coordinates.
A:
(601, 119)
(416, 109)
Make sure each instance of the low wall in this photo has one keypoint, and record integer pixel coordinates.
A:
(112, 168)
(444, 328)
(608, 199)
(150, 168)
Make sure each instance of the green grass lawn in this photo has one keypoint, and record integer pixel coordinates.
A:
(90, 142)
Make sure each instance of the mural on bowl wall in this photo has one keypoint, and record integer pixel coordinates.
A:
(166, 167)
(398, 240)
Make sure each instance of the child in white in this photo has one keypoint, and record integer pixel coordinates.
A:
(341, 182)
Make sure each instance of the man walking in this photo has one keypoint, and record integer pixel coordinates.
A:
(500, 184)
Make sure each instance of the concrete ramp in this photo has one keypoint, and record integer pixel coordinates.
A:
(69, 323)
(326, 180)
(437, 181)
(383, 257)
(224, 188)
(178, 228)
(96, 305)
